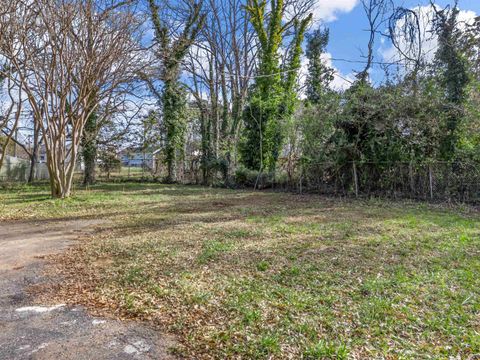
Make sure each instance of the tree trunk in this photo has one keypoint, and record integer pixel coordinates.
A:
(33, 165)
(89, 149)
(59, 189)
(89, 177)
(34, 155)
(206, 146)
(61, 162)
(172, 171)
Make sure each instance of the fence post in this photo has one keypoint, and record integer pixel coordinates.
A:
(430, 178)
(355, 178)
(410, 175)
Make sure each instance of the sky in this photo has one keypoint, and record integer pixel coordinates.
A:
(348, 38)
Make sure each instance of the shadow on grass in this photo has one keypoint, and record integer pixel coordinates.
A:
(217, 205)
(142, 189)
(332, 249)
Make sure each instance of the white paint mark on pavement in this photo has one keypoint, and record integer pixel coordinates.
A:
(142, 346)
(68, 323)
(98, 322)
(39, 309)
(42, 346)
(129, 349)
(138, 347)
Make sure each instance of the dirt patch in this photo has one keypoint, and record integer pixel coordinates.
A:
(24, 242)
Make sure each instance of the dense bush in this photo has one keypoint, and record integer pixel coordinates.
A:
(246, 178)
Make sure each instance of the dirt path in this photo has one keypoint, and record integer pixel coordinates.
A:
(56, 331)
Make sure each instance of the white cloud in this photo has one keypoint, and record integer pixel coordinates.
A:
(340, 81)
(323, 10)
(428, 43)
(327, 10)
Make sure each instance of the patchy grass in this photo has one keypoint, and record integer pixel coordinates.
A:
(238, 274)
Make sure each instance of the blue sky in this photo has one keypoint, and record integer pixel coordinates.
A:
(347, 35)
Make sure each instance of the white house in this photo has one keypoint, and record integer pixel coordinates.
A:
(137, 158)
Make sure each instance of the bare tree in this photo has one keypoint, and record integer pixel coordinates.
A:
(405, 33)
(220, 65)
(28, 138)
(68, 62)
(377, 12)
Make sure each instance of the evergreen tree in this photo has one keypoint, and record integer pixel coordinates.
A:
(319, 75)
(89, 148)
(452, 67)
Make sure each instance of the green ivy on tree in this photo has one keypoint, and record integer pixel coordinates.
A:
(170, 52)
(273, 96)
(452, 67)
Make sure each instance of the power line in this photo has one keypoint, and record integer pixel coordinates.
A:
(366, 62)
(337, 73)
(253, 77)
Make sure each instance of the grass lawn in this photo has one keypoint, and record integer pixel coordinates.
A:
(255, 275)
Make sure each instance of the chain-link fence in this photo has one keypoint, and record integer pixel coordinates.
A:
(432, 181)
(438, 181)
(187, 172)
